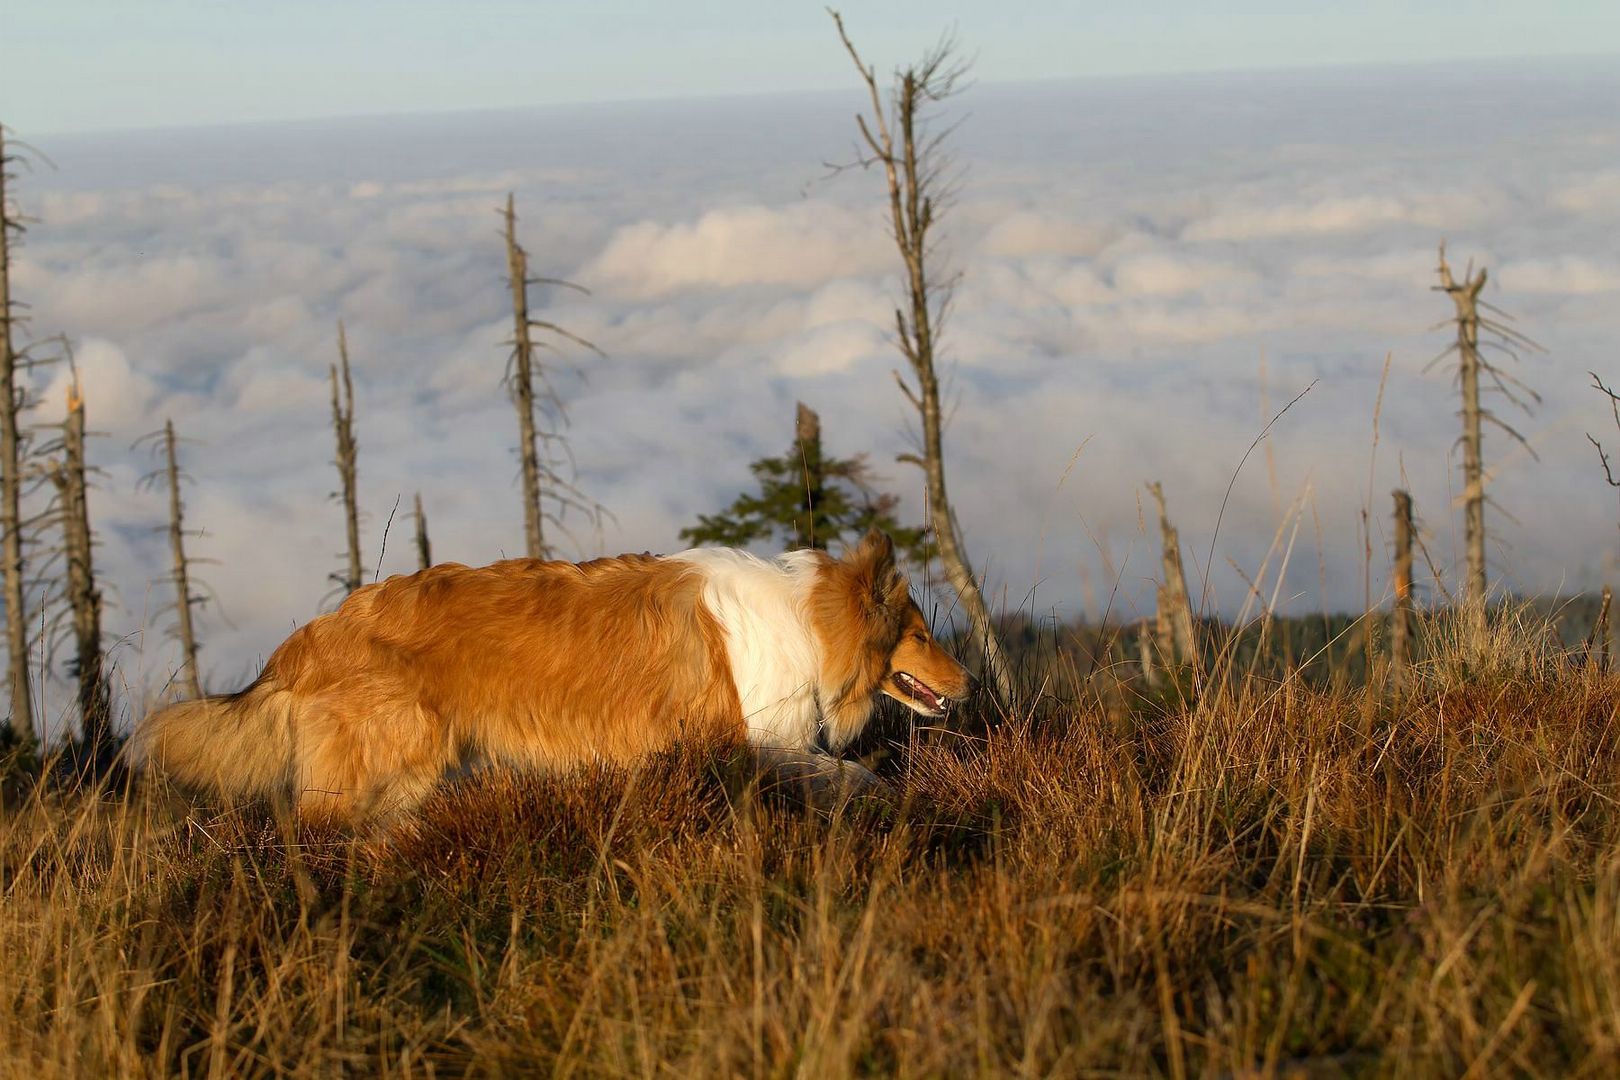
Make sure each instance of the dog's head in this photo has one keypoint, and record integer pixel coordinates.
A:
(903, 660)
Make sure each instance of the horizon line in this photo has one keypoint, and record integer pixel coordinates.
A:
(1452, 63)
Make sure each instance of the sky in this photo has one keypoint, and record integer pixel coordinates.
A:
(86, 65)
(1150, 267)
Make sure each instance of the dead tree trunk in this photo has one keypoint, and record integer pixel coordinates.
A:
(1144, 641)
(183, 598)
(347, 454)
(69, 475)
(912, 162)
(186, 596)
(1603, 455)
(1175, 621)
(1473, 369)
(424, 549)
(1597, 646)
(517, 274)
(529, 387)
(1401, 617)
(90, 662)
(807, 433)
(22, 703)
(1465, 297)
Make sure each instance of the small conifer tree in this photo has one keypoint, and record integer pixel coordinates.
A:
(809, 500)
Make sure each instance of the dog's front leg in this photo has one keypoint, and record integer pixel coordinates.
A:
(823, 780)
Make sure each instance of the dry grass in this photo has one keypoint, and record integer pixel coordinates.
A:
(1274, 880)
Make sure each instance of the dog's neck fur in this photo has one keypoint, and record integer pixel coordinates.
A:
(775, 658)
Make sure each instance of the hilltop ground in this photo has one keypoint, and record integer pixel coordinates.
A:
(1272, 878)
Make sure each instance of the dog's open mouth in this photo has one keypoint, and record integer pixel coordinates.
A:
(932, 702)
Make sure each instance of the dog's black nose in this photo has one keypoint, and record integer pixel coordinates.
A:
(973, 684)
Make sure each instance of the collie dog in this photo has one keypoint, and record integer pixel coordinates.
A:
(554, 665)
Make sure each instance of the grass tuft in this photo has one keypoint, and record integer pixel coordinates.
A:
(1271, 877)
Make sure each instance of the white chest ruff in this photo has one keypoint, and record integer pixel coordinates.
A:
(775, 660)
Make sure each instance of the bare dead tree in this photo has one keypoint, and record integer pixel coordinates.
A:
(1144, 642)
(807, 434)
(346, 461)
(424, 549)
(11, 482)
(1174, 629)
(1401, 616)
(517, 277)
(1597, 643)
(531, 391)
(84, 599)
(898, 139)
(189, 592)
(73, 598)
(183, 596)
(1474, 368)
(1614, 409)
(1466, 299)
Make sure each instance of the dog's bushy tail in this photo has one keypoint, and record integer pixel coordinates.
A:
(235, 744)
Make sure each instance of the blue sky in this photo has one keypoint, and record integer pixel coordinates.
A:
(84, 65)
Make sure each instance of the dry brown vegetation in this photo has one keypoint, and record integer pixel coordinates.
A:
(1273, 880)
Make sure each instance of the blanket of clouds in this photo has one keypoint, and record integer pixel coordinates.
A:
(1147, 269)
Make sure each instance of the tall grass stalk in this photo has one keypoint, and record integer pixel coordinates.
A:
(1270, 878)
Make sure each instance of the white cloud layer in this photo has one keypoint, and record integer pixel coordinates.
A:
(1130, 256)
(799, 245)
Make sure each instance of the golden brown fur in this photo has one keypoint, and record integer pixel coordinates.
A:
(869, 629)
(526, 663)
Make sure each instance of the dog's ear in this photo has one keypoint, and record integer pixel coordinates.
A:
(875, 548)
(873, 563)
